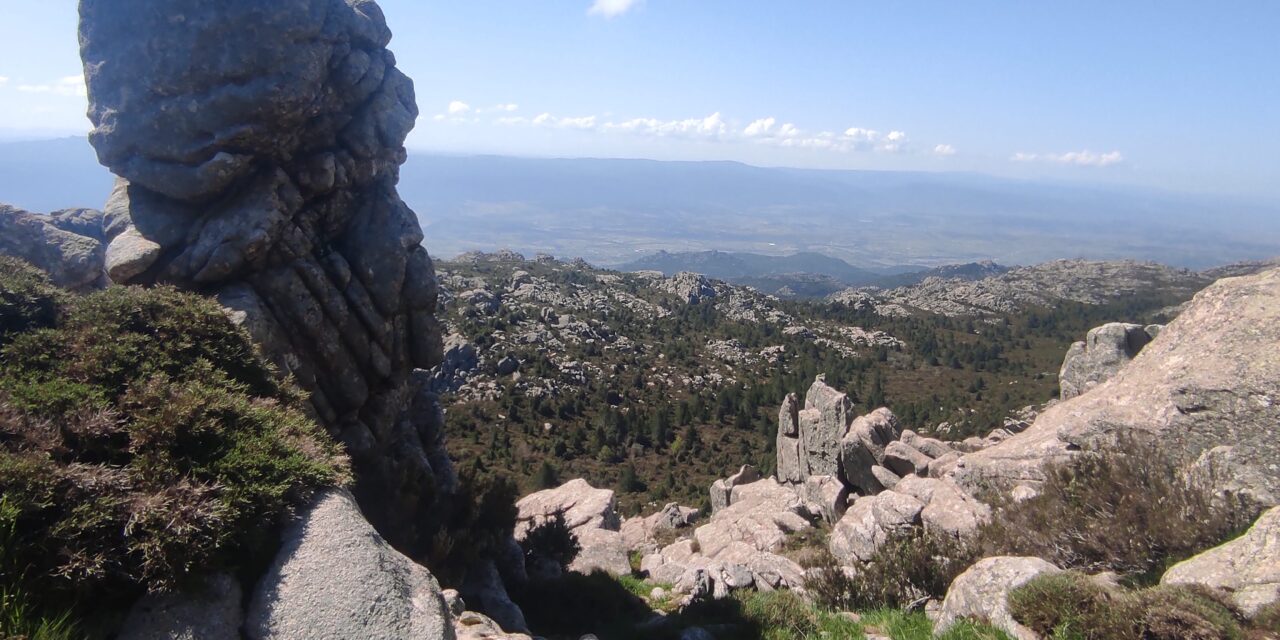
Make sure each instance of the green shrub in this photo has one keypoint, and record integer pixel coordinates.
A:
(27, 299)
(1268, 619)
(906, 568)
(1126, 508)
(551, 540)
(144, 441)
(475, 523)
(1071, 606)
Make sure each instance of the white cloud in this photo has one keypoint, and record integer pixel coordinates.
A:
(65, 86)
(458, 107)
(759, 127)
(861, 135)
(712, 126)
(500, 108)
(4, 80)
(612, 8)
(1084, 158)
(944, 150)
(548, 120)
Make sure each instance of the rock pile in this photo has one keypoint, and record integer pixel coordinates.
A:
(257, 161)
(1102, 354)
(590, 513)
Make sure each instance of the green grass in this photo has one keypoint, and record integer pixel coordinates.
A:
(19, 619)
(900, 625)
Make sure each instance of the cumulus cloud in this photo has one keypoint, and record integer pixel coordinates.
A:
(612, 8)
(458, 107)
(944, 150)
(500, 108)
(759, 127)
(712, 126)
(582, 122)
(1084, 158)
(65, 86)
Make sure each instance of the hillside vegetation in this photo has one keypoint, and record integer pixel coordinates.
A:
(657, 386)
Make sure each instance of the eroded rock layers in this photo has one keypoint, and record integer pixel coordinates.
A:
(257, 145)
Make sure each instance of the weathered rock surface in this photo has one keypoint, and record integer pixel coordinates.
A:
(581, 504)
(1247, 568)
(871, 521)
(722, 490)
(65, 244)
(982, 591)
(211, 613)
(257, 161)
(638, 533)
(335, 577)
(1212, 379)
(1102, 354)
(470, 625)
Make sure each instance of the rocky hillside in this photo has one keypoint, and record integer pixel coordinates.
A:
(555, 369)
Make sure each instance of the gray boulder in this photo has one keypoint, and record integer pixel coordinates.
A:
(1247, 568)
(1104, 351)
(982, 593)
(905, 460)
(210, 613)
(72, 259)
(335, 577)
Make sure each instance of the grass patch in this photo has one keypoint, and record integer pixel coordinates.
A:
(901, 625)
(905, 569)
(143, 442)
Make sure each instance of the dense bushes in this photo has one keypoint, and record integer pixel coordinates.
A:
(1126, 508)
(142, 440)
(1072, 606)
(474, 523)
(910, 566)
(551, 541)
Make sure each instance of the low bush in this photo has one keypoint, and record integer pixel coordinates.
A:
(907, 568)
(551, 541)
(1072, 606)
(1126, 508)
(474, 523)
(142, 441)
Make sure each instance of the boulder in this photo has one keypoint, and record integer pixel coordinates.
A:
(931, 447)
(904, 460)
(210, 613)
(470, 625)
(70, 250)
(721, 491)
(948, 509)
(335, 577)
(602, 549)
(886, 478)
(1104, 352)
(484, 590)
(1211, 380)
(870, 522)
(827, 495)
(875, 431)
(583, 506)
(1247, 568)
(982, 592)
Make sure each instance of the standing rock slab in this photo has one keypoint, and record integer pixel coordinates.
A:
(335, 577)
(1247, 568)
(73, 257)
(982, 593)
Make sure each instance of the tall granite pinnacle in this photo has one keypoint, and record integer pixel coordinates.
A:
(257, 145)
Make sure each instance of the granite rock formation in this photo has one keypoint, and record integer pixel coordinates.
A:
(1247, 568)
(257, 161)
(65, 244)
(1105, 350)
(1207, 393)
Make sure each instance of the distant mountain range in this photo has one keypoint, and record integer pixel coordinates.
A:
(801, 275)
(612, 211)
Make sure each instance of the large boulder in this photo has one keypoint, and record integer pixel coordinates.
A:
(808, 441)
(62, 245)
(257, 161)
(982, 593)
(1247, 568)
(871, 522)
(583, 506)
(211, 612)
(335, 577)
(1211, 380)
(721, 491)
(1103, 353)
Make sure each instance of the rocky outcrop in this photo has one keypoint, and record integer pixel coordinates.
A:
(938, 506)
(640, 533)
(1247, 568)
(721, 492)
(590, 513)
(1211, 380)
(257, 161)
(737, 548)
(335, 577)
(67, 244)
(1104, 351)
(982, 593)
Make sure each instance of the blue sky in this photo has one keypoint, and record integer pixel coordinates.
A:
(1180, 95)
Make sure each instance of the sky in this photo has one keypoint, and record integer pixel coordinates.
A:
(1180, 95)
